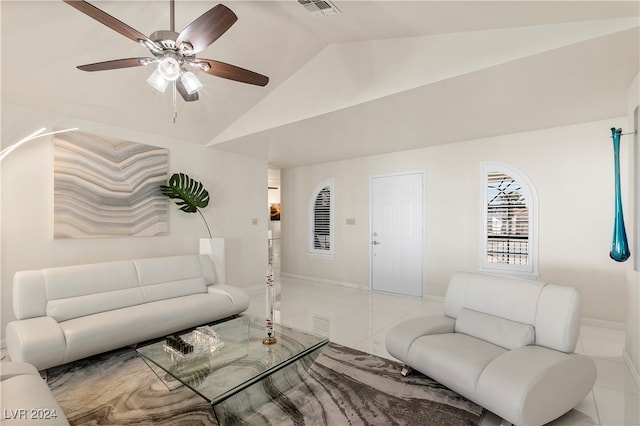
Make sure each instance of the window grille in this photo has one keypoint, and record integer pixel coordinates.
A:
(508, 238)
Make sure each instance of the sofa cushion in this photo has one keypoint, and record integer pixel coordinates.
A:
(80, 306)
(454, 359)
(401, 336)
(511, 298)
(174, 268)
(112, 329)
(168, 290)
(79, 280)
(499, 331)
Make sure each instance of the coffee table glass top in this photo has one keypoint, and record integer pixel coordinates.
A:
(241, 362)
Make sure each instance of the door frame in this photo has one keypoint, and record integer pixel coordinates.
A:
(423, 174)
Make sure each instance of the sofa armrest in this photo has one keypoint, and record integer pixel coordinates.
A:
(38, 341)
(535, 385)
(400, 338)
(238, 296)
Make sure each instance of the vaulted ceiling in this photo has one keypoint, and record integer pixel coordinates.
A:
(381, 76)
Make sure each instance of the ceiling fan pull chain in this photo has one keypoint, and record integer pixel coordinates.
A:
(175, 107)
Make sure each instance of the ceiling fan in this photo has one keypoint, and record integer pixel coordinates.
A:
(175, 53)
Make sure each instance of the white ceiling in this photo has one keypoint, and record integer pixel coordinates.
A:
(380, 77)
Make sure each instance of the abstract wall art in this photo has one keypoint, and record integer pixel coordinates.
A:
(107, 187)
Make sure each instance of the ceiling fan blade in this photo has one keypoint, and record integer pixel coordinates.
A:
(207, 28)
(183, 92)
(115, 64)
(232, 72)
(108, 20)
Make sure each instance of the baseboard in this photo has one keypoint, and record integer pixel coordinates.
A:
(604, 324)
(348, 284)
(633, 371)
(324, 281)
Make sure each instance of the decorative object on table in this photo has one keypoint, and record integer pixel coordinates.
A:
(179, 344)
(202, 340)
(107, 187)
(270, 339)
(619, 246)
(190, 195)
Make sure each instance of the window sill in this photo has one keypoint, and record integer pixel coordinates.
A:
(511, 272)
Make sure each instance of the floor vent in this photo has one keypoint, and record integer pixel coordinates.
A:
(320, 7)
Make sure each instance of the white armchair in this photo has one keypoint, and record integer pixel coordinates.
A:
(505, 343)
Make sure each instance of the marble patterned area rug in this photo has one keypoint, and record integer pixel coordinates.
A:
(343, 387)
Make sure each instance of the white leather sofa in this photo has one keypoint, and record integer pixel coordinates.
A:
(507, 344)
(26, 398)
(72, 312)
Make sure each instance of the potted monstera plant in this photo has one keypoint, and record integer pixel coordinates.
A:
(191, 196)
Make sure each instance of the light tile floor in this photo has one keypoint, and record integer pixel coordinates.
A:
(361, 319)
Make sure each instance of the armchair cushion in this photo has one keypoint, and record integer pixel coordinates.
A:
(454, 359)
(497, 330)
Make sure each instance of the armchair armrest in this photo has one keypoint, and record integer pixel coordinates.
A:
(400, 338)
(534, 385)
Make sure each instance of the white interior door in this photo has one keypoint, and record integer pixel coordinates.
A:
(396, 233)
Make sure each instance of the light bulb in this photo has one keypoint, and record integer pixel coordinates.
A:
(191, 82)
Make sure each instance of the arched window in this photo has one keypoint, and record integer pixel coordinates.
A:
(509, 224)
(321, 234)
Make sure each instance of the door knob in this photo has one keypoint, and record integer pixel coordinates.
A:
(375, 243)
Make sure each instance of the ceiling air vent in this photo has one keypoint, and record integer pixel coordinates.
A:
(320, 7)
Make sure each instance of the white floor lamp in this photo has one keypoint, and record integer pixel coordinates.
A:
(34, 135)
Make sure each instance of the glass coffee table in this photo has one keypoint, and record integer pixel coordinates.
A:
(237, 378)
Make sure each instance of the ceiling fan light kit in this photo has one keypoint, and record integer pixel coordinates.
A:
(173, 52)
(157, 81)
(190, 82)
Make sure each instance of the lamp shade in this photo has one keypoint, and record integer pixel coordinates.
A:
(191, 82)
(158, 81)
(169, 68)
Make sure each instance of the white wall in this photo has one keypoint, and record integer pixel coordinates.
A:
(571, 168)
(237, 185)
(632, 344)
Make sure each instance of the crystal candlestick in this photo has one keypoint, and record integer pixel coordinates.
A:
(270, 338)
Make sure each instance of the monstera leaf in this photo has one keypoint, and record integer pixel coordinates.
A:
(190, 195)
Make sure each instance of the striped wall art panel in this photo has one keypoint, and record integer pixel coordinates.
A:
(105, 187)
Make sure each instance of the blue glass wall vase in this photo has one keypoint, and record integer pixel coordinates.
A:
(619, 247)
